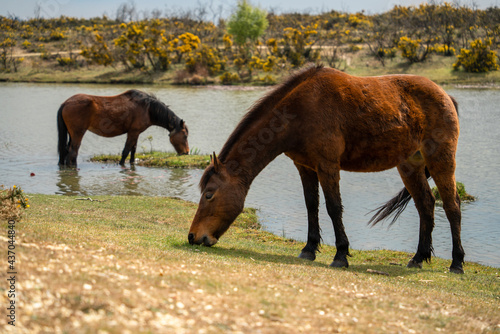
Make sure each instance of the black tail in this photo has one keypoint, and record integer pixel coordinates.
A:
(455, 103)
(62, 146)
(395, 206)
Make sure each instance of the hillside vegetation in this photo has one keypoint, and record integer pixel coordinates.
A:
(449, 44)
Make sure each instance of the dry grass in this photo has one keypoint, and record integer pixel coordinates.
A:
(122, 265)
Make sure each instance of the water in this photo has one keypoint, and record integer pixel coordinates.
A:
(28, 144)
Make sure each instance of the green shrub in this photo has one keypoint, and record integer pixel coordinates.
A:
(444, 50)
(413, 49)
(26, 44)
(228, 78)
(268, 80)
(387, 52)
(66, 61)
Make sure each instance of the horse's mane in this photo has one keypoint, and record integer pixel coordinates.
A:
(260, 108)
(159, 113)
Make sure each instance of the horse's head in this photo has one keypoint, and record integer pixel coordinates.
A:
(179, 138)
(222, 199)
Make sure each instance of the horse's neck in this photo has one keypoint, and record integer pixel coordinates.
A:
(256, 147)
(164, 118)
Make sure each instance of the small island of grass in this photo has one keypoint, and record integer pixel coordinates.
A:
(464, 196)
(159, 159)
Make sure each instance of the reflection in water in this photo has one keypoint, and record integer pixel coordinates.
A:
(69, 182)
(131, 180)
(177, 179)
(95, 179)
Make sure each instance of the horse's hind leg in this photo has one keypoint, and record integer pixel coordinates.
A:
(413, 175)
(73, 147)
(311, 194)
(443, 172)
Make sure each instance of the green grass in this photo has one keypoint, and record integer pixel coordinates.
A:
(123, 263)
(464, 196)
(159, 159)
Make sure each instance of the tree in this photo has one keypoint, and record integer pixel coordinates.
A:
(247, 23)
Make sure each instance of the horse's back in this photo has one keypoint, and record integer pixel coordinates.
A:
(373, 123)
(377, 104)
(78, 102)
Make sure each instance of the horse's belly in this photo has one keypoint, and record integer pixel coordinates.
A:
(368, 165)
(376, 160)
(107, 130)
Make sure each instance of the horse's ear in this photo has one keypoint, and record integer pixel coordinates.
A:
(182, 123)
(216, 162)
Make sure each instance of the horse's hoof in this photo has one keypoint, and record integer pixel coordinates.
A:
(339, 264)
(456, 270)
(307, 256)
(414, 264)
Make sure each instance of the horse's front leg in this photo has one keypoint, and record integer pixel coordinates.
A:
(132, 153)
(311, 194)
(329, 179)
(130, 147)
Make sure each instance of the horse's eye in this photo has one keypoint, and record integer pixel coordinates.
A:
(209, 196)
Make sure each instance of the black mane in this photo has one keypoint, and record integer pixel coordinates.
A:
(261, 107)
(159, 113)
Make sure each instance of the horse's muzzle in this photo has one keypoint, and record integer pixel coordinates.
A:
(205, 240)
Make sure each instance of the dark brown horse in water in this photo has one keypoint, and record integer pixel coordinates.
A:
(327, 121)
(131, 112)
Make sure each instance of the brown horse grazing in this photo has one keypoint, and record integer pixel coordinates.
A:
(131, 112)
(327, 121)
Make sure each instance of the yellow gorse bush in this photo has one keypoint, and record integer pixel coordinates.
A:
(479, 58)
(12, 200)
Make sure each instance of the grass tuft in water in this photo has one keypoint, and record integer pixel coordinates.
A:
(159, 159)
(464, 196)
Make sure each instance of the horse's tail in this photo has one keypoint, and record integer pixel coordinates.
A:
(455, 103)
(394, 206)
(62, 146)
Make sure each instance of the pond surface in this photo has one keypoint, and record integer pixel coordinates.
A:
(28, 144)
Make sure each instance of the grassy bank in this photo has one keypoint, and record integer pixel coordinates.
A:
(159, 159)
(122, 264)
